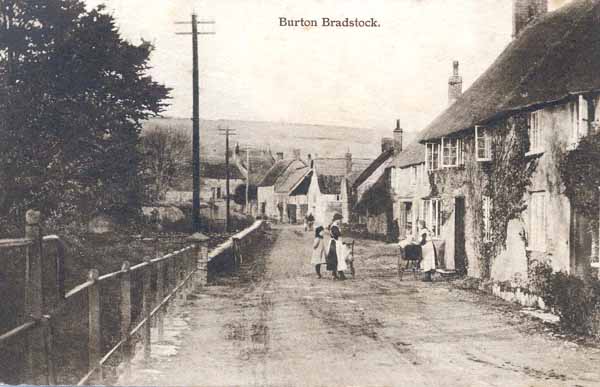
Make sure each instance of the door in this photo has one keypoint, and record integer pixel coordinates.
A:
(291, 213)
(581, 244)
(459, 235)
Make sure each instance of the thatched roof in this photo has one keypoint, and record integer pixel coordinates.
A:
(274, 172)
(330, 185)
(413, 154)
(555, 57)
(368, 171)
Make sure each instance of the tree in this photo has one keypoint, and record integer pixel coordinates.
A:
(166, 159)
(74, 94)
(239, 194)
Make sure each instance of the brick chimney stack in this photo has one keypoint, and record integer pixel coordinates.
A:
(297, 154)
(397, 138)
(348, 163)
(454, 84)
(525, 11)
(387, 143)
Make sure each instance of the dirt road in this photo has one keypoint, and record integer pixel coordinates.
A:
(277, 324)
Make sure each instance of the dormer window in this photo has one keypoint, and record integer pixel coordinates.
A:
(536, 132)
(432, 156)
(483, 144)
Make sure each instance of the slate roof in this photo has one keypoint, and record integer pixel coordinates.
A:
(290, 177)
(302, 188)
(274, 172)
(556, 56)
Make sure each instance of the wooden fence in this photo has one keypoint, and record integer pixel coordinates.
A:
(162, 279)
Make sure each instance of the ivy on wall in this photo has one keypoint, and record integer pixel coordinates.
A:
(504, 179)
(509, 175)
(580, 174)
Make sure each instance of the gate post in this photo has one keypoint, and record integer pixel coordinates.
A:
(34, 298)
(201, 257)
(125, 311)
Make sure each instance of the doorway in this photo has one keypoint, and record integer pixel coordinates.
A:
(459, 235)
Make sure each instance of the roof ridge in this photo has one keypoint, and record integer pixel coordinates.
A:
(533, 69)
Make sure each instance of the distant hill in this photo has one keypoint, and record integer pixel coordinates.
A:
(323, 140)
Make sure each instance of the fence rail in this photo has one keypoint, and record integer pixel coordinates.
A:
(161, 278)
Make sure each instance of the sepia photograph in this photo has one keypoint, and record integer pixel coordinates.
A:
(282, 193)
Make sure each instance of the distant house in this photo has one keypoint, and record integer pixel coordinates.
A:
(254, 165)
(370, 201)
(328, 186)
(213, 188)
(275, 187)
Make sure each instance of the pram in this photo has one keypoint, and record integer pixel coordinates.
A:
(412, 254)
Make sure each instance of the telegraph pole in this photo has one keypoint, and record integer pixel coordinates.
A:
(247, 178)
(195, 118)
(227, 132)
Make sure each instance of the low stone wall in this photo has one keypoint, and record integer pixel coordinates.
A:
(518, 295)
(226, 256)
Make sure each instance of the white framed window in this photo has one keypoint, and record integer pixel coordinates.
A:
(451, 148)
(461, 151)
(537, 221)
(579, 120)
(413, 175)
(536, 132)
(487, 209)
(432, 156)
(483, 144)
(431, 214)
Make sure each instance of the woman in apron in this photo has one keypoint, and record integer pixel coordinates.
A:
(428, 251)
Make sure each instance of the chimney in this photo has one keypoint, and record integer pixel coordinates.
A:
(348, 163)
(525, 11)
(387, 143)
(310, 162)
(397, 138)
(279, 155)
(454, 84)
(296, 154)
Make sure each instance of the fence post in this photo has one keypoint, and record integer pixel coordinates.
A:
(147, 303)
(48, 350)
(125, 311)
(200, 257)
(94, 329)
(160, 292)
(34, 298)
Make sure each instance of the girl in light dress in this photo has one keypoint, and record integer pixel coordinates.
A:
(318, 253)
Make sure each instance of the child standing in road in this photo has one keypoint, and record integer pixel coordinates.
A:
(318, 253)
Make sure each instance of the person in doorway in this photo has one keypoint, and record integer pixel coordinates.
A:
(428, 251)
(318, 253)
(309, 220)
(335, 257)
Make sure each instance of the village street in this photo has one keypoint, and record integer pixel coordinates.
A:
(277, 324)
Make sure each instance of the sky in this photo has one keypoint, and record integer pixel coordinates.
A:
(254, 69)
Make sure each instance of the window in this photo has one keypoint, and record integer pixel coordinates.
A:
(452, 152)
(483, 144)
(413, 177)
(432, 156)
(535, 129)
(218, 192)
(537, 221)
(579, 120)
(431, 215)
(487, 208)
(337, 197)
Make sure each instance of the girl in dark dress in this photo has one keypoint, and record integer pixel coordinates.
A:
(335, 249)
